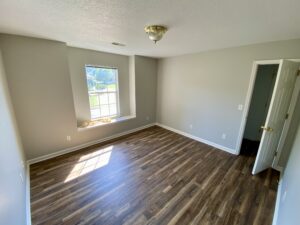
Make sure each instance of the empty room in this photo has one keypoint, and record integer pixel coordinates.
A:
(158, 112)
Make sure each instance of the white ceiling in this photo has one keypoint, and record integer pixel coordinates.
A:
(194, 25)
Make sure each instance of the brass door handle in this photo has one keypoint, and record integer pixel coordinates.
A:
(269, 129)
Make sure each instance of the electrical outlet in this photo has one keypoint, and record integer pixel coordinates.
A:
(223, 136)
(22, 179)
(240, 107)
(191, 126)
(68, 138)
(147, 118)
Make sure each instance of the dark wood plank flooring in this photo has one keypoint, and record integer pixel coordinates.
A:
(151, 177)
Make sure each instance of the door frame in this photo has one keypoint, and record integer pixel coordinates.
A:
(247, 103)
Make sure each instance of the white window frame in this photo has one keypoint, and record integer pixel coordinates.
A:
(117, 93)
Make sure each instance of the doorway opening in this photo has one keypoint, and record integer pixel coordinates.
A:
(259, 106)
(269, 131)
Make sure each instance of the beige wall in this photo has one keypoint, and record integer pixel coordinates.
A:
(12, 188)
(146, 87)
(289, 197)
(202, 90)
(40, 86)
(78, 58)
(205, 89)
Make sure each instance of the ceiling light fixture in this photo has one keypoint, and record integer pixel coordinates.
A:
(155, 32)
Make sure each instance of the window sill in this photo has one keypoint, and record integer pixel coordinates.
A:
(113, 121)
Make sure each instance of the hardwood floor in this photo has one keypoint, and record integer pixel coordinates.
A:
(151, 177)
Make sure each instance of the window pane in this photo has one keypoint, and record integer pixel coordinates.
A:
(101, 87)
(90, 78)
(112, 98)
(101, 78)
(103, 99)
(104, 110)
(113, 109)
(94, 101)
(100, 81)
(95, 113)
(112, 87)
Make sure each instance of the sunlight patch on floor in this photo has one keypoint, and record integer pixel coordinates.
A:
(90, 162)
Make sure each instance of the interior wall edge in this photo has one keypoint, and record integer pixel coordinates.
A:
(277, 203)
(12, 168)
(28, 207)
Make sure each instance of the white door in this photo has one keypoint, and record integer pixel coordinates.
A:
(287, 122)
(279, 105)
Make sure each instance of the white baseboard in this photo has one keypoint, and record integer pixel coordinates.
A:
(278, 198)
(226, 149)
(78, 147)
(27, 196)
(278, 168)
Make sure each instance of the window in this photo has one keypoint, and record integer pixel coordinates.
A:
(103, 91)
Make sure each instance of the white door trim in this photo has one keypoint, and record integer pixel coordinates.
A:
(248, 99)
(287, 123)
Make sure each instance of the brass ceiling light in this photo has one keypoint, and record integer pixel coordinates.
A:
(155, 32)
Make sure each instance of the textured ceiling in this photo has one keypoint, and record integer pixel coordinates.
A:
(194, 25)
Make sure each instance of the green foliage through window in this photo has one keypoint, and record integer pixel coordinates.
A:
(102, 88)
(101, 79)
